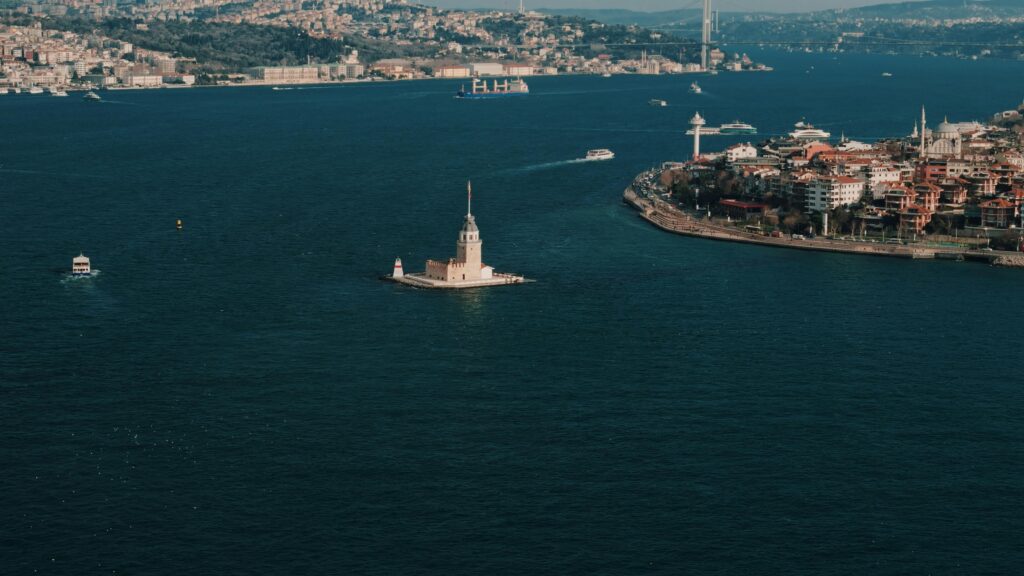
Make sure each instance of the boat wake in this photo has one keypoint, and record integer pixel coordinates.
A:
(69, 277)
(545, 166)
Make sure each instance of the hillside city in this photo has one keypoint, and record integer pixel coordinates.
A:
(76, 43)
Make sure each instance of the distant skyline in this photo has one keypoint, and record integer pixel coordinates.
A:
(656, 5)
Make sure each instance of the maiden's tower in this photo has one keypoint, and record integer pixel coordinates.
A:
(467, 269)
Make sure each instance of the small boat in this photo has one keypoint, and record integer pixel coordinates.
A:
(606, 75)
(656, 102)
(695, 88)
(886, 74)
(58, 92)
(80, 265)
(16, 90)
(91, 96)
(600, 154)
(35, 90)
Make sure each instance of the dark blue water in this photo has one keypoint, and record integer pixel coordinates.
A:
(246, 397)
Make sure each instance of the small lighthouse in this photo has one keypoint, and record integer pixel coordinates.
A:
(697, 122)
(398, 272)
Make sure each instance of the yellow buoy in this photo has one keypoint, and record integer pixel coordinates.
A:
(179, 224)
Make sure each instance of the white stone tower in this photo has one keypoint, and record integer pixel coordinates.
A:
(697, 121)
(398, 272)
(470, 247)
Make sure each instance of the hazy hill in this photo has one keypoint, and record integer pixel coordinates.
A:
(936, 9)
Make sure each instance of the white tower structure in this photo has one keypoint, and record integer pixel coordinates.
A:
(924, 135)
(398, 271)
(469, 249)
(522, 9)
(697, 121)
(705, 36)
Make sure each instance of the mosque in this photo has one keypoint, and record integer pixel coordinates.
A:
(466, 270)
(946, 141)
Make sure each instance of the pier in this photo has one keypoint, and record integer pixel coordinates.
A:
(671, 219)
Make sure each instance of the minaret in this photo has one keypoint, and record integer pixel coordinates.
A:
(923, 153)
(697, 121)
(469, 249)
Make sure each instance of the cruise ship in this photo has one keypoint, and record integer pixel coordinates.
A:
(805, 131)
(503, 89)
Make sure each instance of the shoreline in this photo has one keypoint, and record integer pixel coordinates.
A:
(670, 219)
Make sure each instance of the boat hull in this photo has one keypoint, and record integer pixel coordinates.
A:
(489, 96)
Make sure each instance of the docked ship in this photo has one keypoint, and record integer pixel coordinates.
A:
(695, 88)
(737, 127)
(498, 89)
(600, 154)
(805, 131)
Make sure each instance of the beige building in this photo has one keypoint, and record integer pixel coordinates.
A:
(287, 74)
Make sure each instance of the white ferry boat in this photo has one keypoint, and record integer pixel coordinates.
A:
(600, 154)
(737, 127)
(58, 92)
(35, 90)
(695, 88)
(80, 265)
(805, 131)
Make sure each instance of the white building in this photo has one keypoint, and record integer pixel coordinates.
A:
(830, 192)
(145, 80)
(518, 70)
(740, 152)
(452, 72)
(487, 69)
(880, 176)
(287, 74)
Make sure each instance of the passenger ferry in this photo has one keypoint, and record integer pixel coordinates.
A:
(737, 127)
(600, 154)
(805, 131)
(504, 89)
(695, 88)
(80, 265)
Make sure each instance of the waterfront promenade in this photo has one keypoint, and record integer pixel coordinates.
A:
(671, 219)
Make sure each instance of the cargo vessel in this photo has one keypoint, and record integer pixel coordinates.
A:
(503, 89)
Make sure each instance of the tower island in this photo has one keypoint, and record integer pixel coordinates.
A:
(466, 270)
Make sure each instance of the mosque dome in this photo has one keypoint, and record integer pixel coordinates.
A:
(947, 130)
